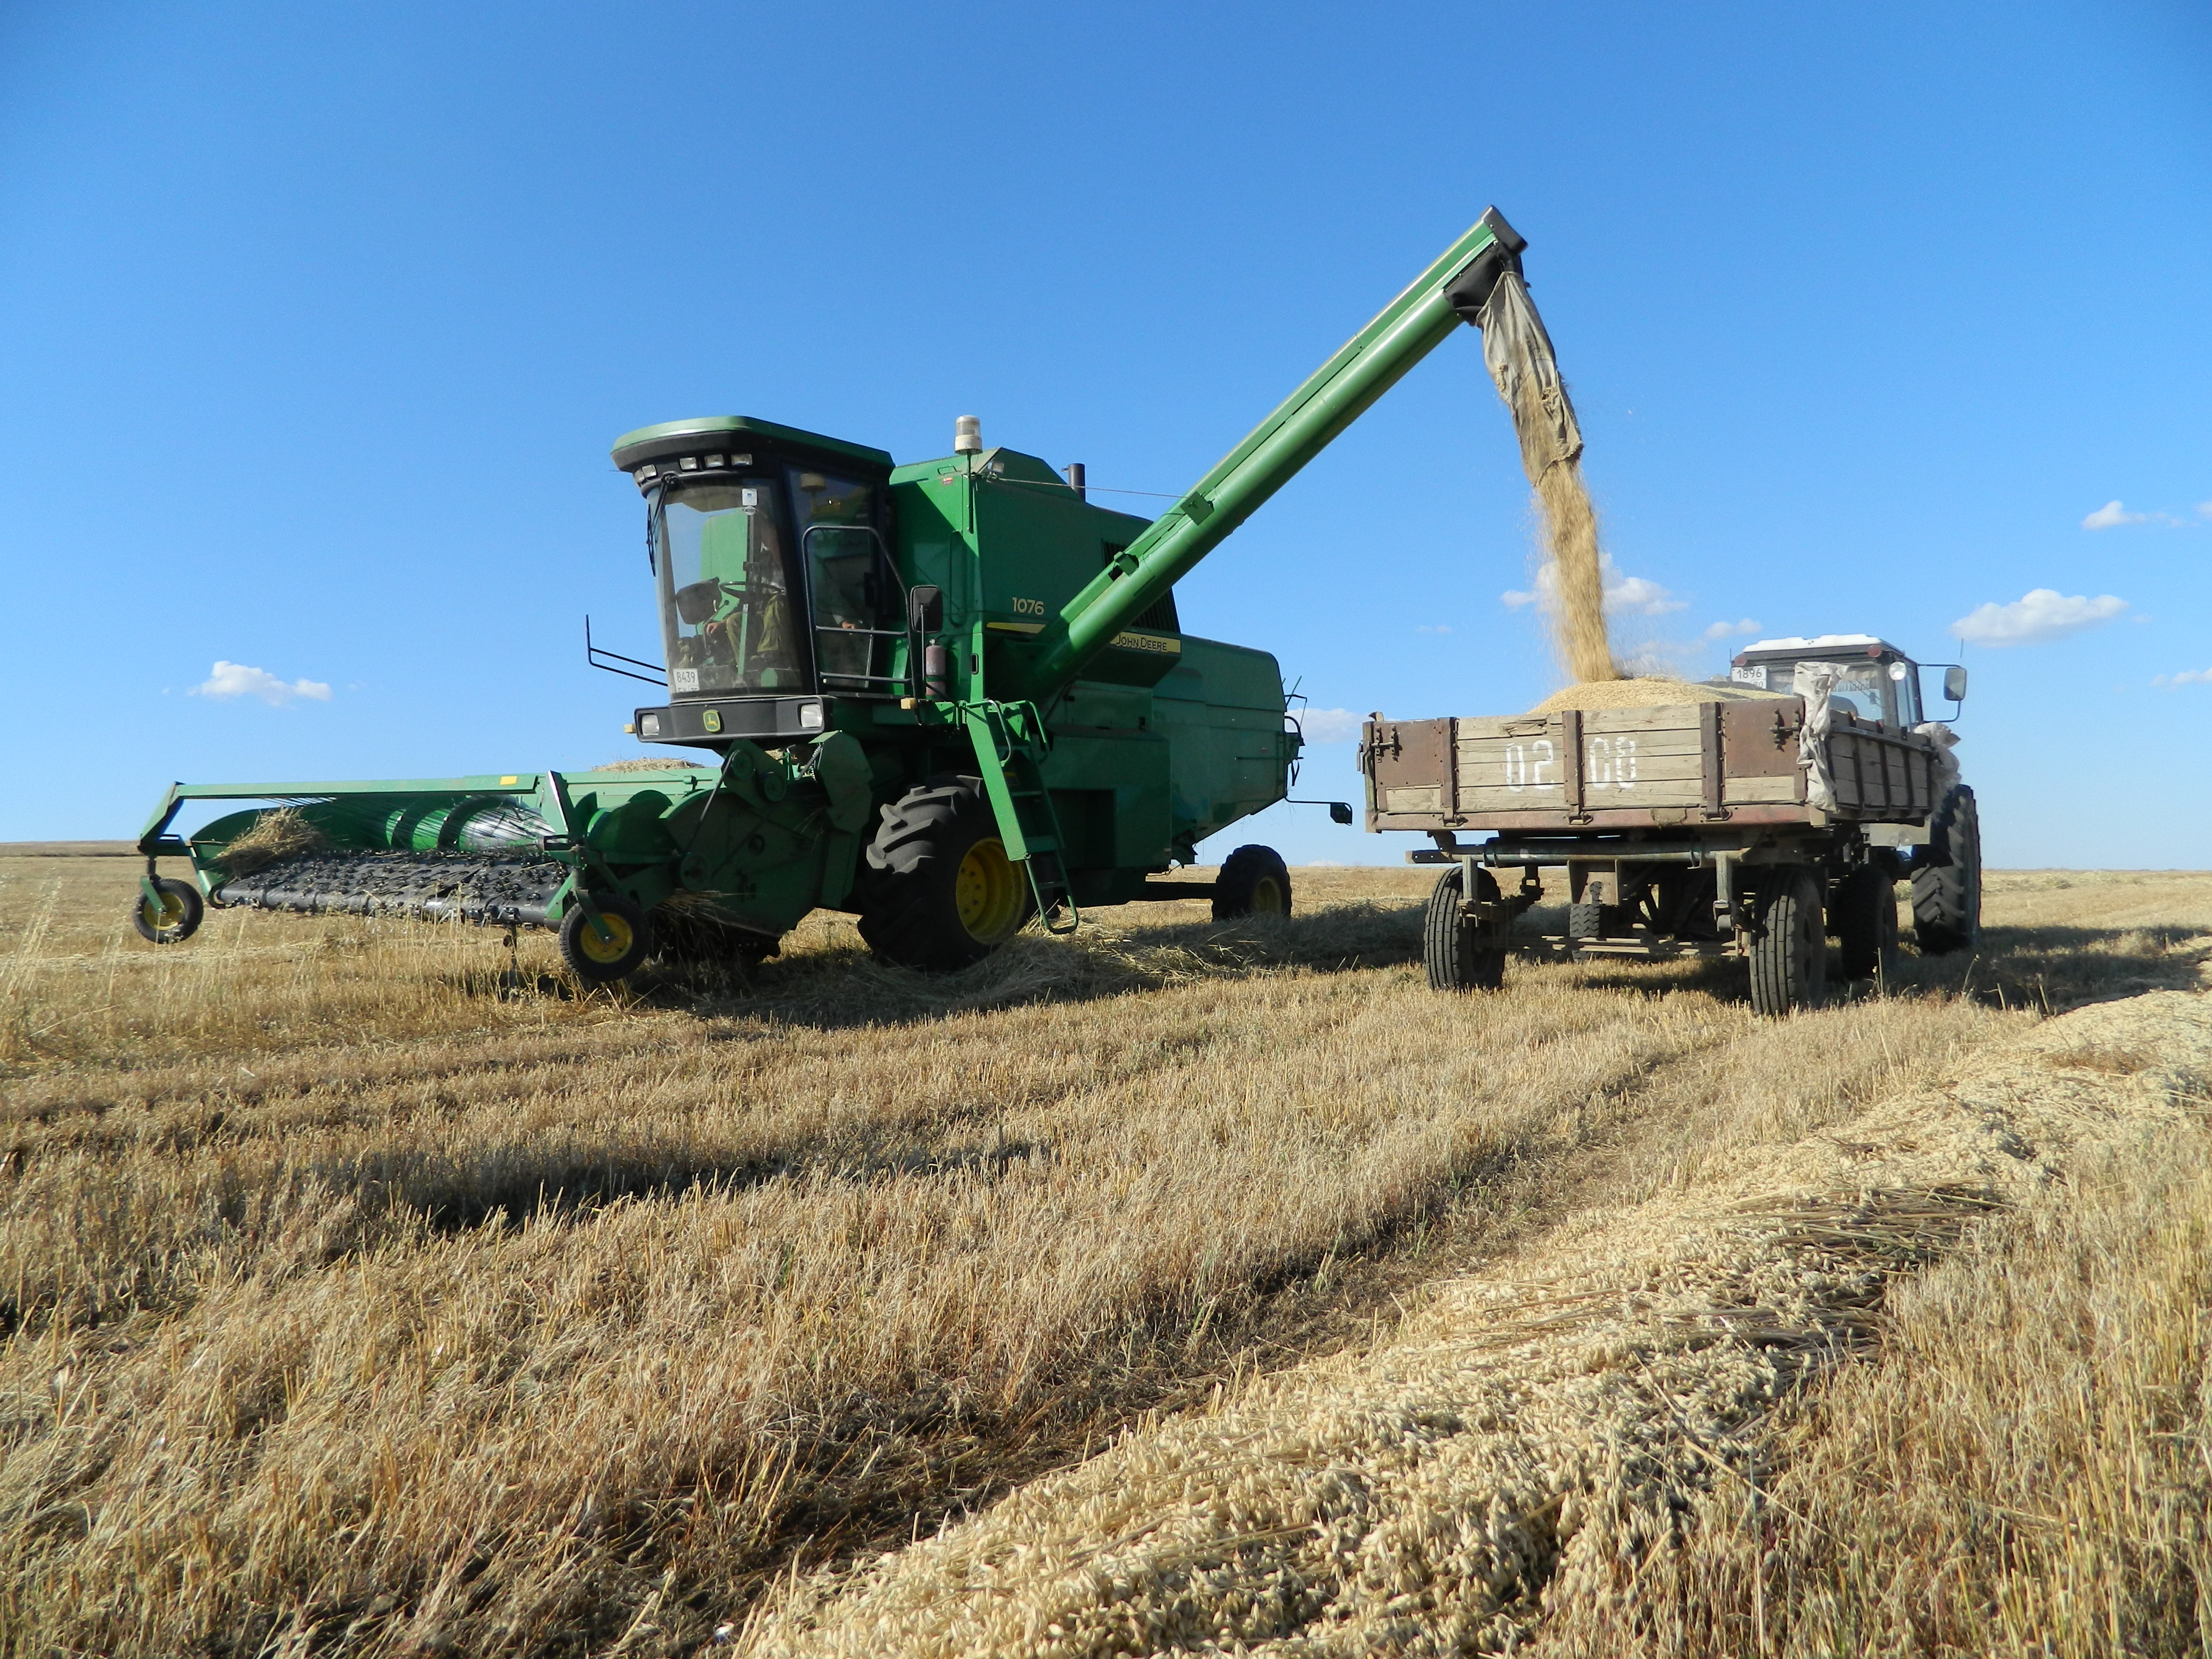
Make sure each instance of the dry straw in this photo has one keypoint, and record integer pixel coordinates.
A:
(651, 763)
(275, 834)
(367, 1290)
(1524, 1446)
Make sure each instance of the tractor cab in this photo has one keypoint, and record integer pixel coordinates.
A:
(770, 549)
(1877, 682)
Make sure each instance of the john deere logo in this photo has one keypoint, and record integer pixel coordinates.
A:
(714, 720)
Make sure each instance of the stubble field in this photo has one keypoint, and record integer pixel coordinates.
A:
(364, 1290)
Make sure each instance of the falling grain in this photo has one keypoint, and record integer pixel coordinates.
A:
(1518, 353)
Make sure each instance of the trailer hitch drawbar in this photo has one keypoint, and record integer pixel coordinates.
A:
(1524, 853)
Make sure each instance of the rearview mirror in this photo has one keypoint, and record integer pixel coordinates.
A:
(1955, 685)
(925, 609)
(1340, 812)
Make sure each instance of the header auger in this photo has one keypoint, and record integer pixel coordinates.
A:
(945, 696)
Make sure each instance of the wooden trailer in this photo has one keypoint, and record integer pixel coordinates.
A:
(1754, 823)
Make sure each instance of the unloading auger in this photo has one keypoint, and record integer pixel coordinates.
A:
(945, 696)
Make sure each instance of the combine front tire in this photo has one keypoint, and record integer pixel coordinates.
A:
(599, 960)
(175, 919)
(941, 891)
(1788, 942)
(1946, 894)
(1458, 957)
(1254, 882)
(1866, 922)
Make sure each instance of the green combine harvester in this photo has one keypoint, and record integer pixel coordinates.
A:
(945, 696)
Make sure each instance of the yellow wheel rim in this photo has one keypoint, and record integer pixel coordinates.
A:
(611, 948)
(170, 915)
(987, 893)
(1267, 897)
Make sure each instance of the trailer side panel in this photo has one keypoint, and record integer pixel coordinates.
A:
(1618, 769)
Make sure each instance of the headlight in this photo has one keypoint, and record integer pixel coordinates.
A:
(648, 726)
(810, 715)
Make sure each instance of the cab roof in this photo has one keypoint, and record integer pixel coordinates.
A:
(653, 443)
(1867, 643)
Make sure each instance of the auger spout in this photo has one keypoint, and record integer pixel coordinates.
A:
(1450, 291)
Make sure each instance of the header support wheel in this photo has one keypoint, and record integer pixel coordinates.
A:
(169, 912)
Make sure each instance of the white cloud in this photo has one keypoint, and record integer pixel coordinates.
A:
(2109, 515)
(235, 679)
(2112, 515)
(1329, 724)
(1625, 596)
(2187, 677)
(1639, 596)
(1729, 630)
(2038, 617)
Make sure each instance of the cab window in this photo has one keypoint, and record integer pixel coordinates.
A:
(1906, 676)
(726, 616)
(1863, 687)
(857, 600)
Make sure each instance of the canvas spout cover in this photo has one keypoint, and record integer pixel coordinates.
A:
(1518, 353)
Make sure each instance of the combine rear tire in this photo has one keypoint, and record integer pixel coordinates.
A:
(598, 961)
(941, 891)
(175, 919)
(1458, 957)
(1866, 922)
(1254, 882)
(1946, 894)
(1788, 941)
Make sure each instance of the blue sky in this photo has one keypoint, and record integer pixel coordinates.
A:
(316, 324)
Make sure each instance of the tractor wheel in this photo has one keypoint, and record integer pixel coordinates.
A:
(1866, 922)
(598, 961)
(1788, 941)
(1458, 957)
(176, 919)
(1947, 893)
(1254, 882)
(941, 891)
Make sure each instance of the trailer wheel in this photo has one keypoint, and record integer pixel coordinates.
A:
(1254, 882)
(1866, 922)
(1453, 948)
(1946, 894)
(175, 919)
(941, 891)
(1788, 942)
(598, 961)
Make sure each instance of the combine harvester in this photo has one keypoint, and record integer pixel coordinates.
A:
(945, 696)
